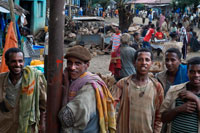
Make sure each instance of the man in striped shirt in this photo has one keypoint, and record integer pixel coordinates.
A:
(181, 106)
(115, 40)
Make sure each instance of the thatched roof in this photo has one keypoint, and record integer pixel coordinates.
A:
(17, 9)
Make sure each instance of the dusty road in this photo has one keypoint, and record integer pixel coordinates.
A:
(100, 63)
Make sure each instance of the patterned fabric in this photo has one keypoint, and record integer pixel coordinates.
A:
(169, 102)
(105, 102)
(179, 124)
(115, 41)
(139, 113)
(67, 118)
(12, 91)
(29, 113)
(27, 47)
(115, 63)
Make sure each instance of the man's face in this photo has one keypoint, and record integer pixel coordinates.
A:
(172, 62)
(76, 67)
(15, 63)
(137, 37)
(143, 63)
(117, 30)
(194, 74)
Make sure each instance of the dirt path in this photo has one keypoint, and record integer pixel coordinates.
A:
(100, 63)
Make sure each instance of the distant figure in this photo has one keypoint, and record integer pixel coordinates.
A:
(162, 19)
(194, 43)
(148, 37)
(159, 35)
(126, 55)
(137, 43)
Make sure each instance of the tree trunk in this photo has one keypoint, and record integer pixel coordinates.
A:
(125, 18)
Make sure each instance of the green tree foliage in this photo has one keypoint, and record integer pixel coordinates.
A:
(103, 3)
(183, 3)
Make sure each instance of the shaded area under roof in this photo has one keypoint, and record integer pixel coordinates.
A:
(150, 2)
(88, 19)
(17, 9)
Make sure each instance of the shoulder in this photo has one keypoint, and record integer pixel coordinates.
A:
(161, 74)
(177, 88)
(2, 75)
(156, 84)
(122, 81)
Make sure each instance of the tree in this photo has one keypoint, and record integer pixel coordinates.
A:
(103, 3)
(184, 3)
(125, 15)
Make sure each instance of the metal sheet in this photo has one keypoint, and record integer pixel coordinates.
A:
(88, 19)
(3, 10)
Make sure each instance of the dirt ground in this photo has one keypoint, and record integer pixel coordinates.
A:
(100, 63)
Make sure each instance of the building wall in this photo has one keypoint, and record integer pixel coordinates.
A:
(37, 16)
(74, 2)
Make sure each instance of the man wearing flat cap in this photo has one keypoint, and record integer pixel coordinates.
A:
(87, 103)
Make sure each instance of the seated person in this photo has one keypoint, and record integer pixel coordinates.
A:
(159, 35)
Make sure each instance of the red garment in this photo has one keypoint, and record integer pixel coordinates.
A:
(149, 35)
(11, 42)
(159, 35)
(115, 63)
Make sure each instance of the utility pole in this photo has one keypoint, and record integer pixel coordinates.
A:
(12, 15)
(70, 9)
(55, 64)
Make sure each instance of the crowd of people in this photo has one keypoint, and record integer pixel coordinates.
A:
(142, 102)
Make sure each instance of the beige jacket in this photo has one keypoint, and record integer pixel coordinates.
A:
(170, 101)
(8, 114)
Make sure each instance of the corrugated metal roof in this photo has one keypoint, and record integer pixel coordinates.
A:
(151, 1)
(17, 9)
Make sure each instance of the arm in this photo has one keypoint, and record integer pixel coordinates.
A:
(42, 104)
(159, 100)
(109, 45)
(191, 96)
(170, 115)
(77, 112)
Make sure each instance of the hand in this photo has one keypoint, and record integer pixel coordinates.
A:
(188, 107)
(42, 126)
(188, 95)
(65, 77)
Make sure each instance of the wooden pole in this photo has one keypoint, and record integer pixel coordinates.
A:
(55, 64)
(12, 15)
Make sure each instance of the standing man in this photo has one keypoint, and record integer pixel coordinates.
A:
(22, 96)
(181, 106)
(183, 38)
(143, 16)
(162, 19)
(126, 56)
(87, 103)
(115, 40)
(176, 72)
(140, 98)
(148, 37)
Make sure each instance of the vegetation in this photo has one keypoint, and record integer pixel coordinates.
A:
(184, 3)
